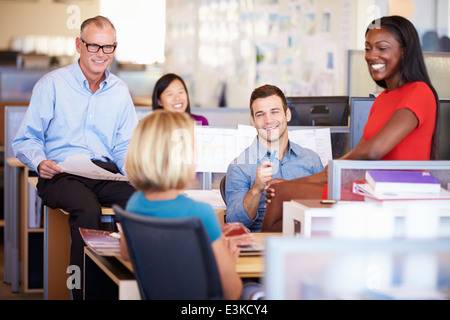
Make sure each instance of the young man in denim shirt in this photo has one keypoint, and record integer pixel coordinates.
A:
(270, 156)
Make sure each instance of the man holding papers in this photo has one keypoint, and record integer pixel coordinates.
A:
(81, 109)
(270, 156)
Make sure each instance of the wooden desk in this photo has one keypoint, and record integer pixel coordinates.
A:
(105, 278)
(57, 252)
(253, 266)
(250, 266)
(14, 162)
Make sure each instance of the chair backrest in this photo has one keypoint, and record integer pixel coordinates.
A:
(222, 188)
(172, 258)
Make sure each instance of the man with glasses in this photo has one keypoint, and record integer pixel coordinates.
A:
(80, 109)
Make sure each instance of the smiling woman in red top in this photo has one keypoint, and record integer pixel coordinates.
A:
(403, 123)
(403, 118)
(413, 104)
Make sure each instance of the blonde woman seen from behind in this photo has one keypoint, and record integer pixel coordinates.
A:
(160, 163)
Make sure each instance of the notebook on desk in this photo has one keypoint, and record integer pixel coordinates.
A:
(104, 243)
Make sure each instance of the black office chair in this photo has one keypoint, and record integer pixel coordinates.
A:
(222, 189)
(172, 258)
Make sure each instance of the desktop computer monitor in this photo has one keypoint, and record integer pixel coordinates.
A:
(324, 111)
(359, 113)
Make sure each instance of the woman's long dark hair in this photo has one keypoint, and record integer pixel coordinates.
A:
(412, 65)
(161, 85)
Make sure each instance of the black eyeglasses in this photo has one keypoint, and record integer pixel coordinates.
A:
(93, 48)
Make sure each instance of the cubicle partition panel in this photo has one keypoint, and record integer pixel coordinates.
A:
(13, 120)
(142, 112)
(342, 174)
(224, 116)
(368, 269)
(17, 84)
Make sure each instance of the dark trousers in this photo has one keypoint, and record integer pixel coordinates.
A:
(83, 198)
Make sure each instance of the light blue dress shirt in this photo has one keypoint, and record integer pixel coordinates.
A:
(65, 118)
(241, 174)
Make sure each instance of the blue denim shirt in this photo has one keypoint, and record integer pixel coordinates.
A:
(241, 174)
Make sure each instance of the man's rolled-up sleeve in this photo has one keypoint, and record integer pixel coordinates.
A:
(237, 186)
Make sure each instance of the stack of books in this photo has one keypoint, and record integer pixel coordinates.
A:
(400, 185)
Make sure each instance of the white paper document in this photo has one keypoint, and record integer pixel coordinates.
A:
(81, 165)
(216, 147)
(317, 140)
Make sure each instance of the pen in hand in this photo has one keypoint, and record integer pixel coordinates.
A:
(273, 156)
